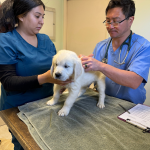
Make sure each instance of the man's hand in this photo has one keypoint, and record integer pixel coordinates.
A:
(80, 56)
(89, 63)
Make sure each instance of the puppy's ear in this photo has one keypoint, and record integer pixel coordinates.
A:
(78, 69)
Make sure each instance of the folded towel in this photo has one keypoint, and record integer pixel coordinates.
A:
(87, 127)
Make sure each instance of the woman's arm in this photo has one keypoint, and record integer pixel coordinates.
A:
(12, 82)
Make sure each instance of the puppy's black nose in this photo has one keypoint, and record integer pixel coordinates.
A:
(57, 75)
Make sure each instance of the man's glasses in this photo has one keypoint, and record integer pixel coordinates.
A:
(115, 24)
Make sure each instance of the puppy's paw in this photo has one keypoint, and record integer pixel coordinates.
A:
(100, 105)
(63, 112)
(51, 102)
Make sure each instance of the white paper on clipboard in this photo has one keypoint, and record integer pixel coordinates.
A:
(139, 114)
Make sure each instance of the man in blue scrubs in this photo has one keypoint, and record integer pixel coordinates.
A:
(127, 65)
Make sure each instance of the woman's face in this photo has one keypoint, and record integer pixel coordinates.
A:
(33, 21)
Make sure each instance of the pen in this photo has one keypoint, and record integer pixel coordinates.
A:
(124, 108)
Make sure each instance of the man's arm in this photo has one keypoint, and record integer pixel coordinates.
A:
(122, 77)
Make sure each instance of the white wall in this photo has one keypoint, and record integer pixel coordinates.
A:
(59, 7)
(2, 1)
(142, 22)
(85, 26)
(141, 26)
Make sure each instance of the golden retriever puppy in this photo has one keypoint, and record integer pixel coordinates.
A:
(65, 65)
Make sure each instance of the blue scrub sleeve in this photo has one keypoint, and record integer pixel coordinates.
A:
(8, 54)
(141, 63)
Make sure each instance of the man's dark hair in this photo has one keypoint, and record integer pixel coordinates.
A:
(128, 7)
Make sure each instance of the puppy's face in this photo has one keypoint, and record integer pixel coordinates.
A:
(66, 64)
(63, 67)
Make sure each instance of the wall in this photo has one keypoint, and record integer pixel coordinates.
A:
(2, 1)
(58, 5)
(85, 26)
(142, 22)
(141, 26)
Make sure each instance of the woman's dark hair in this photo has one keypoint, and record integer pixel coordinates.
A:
(128, 7)
(11, 9)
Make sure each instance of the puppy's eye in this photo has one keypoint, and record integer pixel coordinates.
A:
(56, 64)
(66, 66)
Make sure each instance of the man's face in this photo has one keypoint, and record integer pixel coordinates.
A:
(116, 15)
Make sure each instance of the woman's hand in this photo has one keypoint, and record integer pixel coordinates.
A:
(47, 78)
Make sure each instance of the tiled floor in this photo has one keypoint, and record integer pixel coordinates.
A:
(4, 133)
(5, 137)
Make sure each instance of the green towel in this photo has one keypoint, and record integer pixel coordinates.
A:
(87, 127)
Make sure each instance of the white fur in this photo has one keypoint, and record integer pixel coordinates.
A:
(65, 65)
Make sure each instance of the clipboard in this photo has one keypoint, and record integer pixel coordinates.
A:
(139, 116)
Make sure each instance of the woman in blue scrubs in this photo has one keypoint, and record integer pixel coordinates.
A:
(127, 54)
(25, 55)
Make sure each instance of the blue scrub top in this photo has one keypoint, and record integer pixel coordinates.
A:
(29, 61)
(138, 61)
